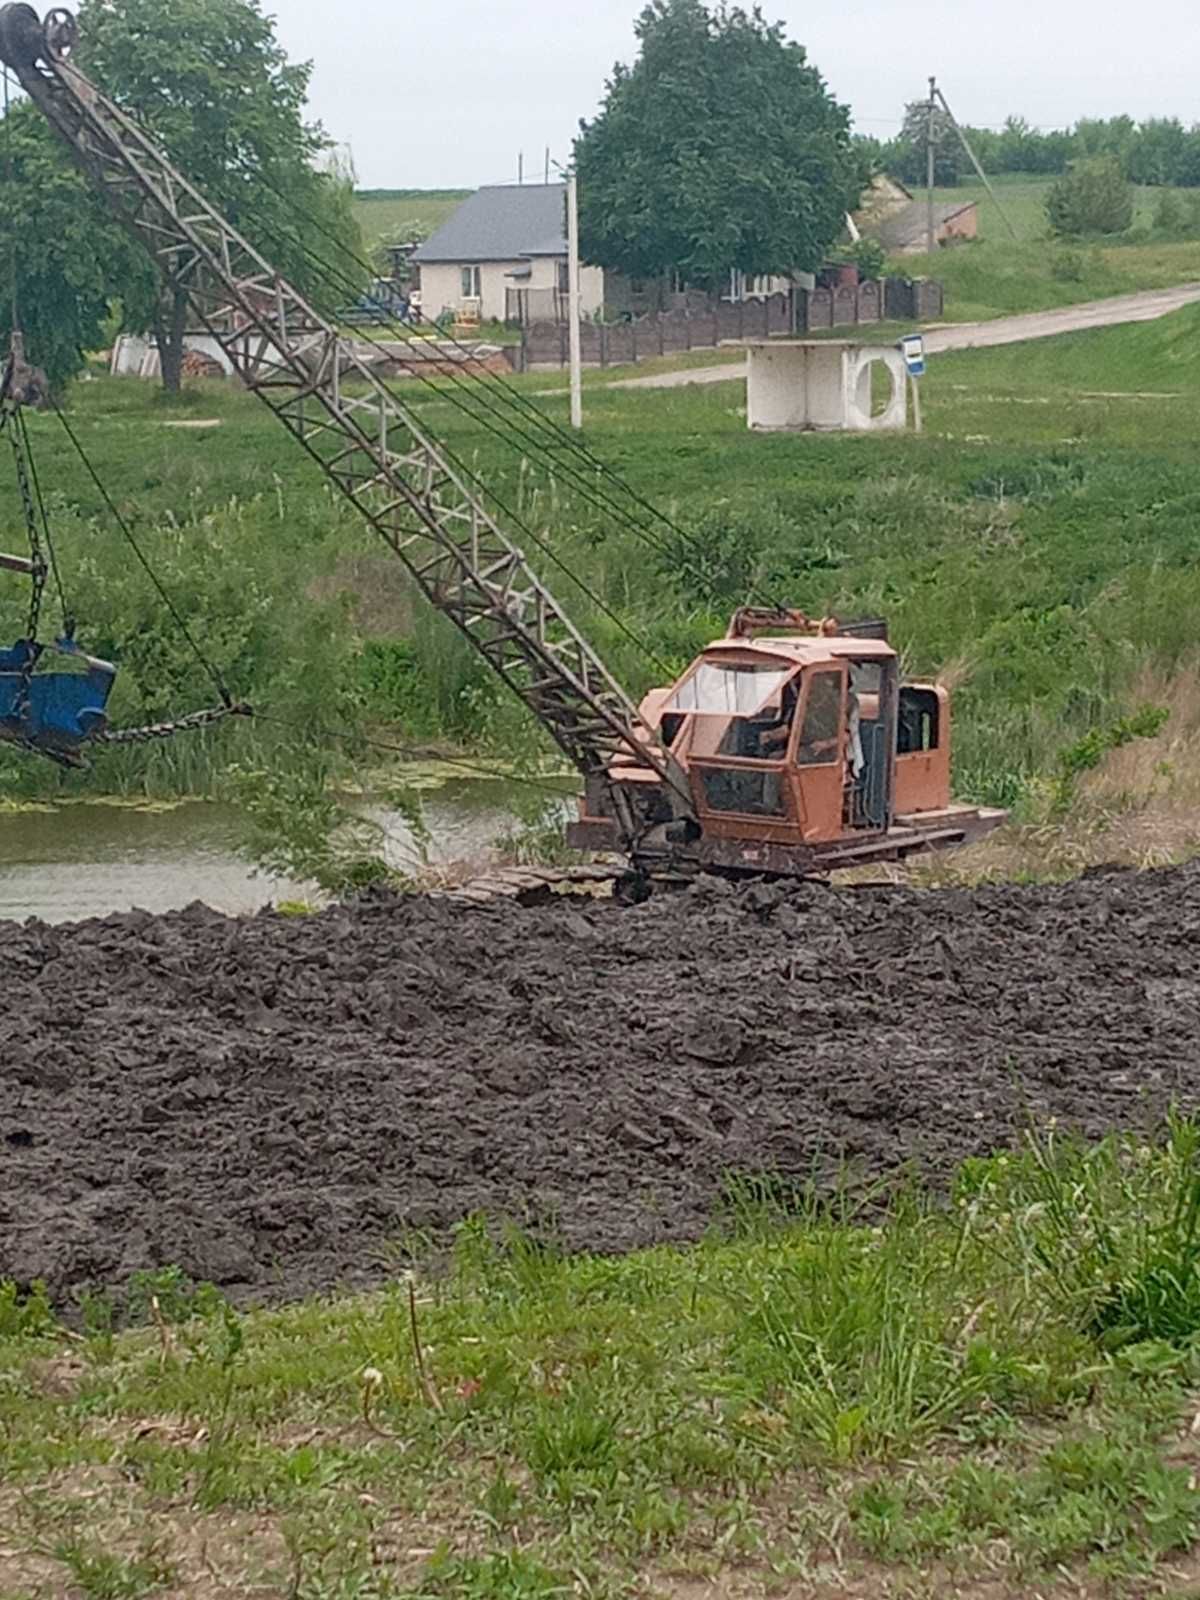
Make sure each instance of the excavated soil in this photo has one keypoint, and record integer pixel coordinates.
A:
(274, 1104)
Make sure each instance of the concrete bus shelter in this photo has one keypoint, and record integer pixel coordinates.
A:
(798, 385)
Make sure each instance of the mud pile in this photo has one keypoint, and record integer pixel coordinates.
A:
(273, 1103)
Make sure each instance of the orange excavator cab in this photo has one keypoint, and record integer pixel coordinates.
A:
(803, 751)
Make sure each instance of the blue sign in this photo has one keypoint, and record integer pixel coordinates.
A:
(912, 347)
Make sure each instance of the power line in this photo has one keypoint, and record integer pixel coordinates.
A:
(513, 517)
(114, 512)
(516, 400)
(410, 752)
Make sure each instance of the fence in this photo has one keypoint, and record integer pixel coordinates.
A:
(913, 299)
(662, 334)
(523, 306)
(846, 306)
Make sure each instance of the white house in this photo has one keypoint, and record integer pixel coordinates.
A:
(503, 254)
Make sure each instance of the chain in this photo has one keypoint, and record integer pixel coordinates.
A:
(167, 730)
(39, 567)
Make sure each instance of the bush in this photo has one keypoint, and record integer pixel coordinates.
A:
(869, 256)
(1068, 266)
(1168, 213)
(1092, 197)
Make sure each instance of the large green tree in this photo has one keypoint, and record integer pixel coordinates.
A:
(210, 82)
(58, 255)
(720, 148)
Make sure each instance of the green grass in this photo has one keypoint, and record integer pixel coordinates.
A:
(840, 1391)
(999, 276)
(383, 213)
(1039, 537)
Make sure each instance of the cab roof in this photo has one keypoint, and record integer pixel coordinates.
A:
(802, 652)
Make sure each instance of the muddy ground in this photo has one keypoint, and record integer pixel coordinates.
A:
(277, 1104)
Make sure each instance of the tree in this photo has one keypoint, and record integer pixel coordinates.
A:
(59, 246)
(1158, 151)
(720, 149)
(210, 82)
(949, 158)
(1106, 136)
(1093, 196)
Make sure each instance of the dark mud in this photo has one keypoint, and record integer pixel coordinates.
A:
(273, 1103)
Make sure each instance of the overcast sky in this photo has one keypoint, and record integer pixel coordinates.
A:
(429, 98)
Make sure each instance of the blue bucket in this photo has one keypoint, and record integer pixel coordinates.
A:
(64, 709)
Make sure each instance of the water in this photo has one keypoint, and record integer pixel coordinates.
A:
(86, 860)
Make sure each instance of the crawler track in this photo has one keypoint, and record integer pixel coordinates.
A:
(273, 1102)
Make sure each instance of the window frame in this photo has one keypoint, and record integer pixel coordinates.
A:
(471, 282)
(832, 743)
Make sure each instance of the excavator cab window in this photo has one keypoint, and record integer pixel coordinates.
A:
(821, 730)
(753, 706)
(718, 688)
(920, 718)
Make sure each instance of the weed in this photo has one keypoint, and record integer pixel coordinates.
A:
(178, 1297)
(103, 1576)
(1114, 1228)
(217, 1467)
(509, 1575)
(25, 1315)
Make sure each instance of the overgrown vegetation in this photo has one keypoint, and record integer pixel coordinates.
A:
(1036, 545)
(830, 1388)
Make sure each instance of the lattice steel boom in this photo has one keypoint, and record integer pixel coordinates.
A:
(367, 441)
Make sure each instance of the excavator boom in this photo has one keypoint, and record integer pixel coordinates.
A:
(372, 447)
(788, 748)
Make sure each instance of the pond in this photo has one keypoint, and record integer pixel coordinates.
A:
(86, 859)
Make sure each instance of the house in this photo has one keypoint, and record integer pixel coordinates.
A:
(502, 256)
(891, 214)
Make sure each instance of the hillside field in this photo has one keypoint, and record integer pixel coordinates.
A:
(381, 214)
(998, 276)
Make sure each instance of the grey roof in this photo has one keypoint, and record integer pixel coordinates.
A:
(910, 224)
(503, 222)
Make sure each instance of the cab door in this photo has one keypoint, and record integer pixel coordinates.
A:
(817, 759)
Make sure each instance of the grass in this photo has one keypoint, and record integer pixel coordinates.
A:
(1036, 545)
(999, 276)
(892, 1392)
(382, 214)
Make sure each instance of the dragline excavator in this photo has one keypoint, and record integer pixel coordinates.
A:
(791, 746)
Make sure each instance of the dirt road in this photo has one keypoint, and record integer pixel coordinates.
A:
(276, 1103)
(1143, 307)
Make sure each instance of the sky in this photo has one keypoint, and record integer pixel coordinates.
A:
(430, 99)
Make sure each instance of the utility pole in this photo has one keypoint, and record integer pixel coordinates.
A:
(521, 167)
(930, 168)
(573, 307)
(974, 160)
(547, 166)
